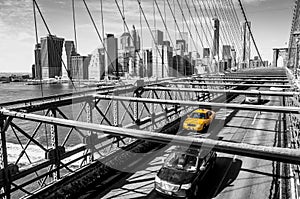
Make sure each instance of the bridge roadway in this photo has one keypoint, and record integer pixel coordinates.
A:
(134, 176)
(232, 177)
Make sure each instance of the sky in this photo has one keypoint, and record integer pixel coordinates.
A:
(271, 24)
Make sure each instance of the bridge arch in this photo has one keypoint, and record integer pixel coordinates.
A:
(280, 57)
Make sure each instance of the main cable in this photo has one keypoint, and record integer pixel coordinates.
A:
(250, 31)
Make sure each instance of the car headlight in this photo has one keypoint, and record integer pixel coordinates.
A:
(186, 186)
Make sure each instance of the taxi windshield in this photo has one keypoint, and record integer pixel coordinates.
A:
(198, 115)
(182, 161)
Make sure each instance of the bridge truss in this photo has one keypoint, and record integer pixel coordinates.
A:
(105, 121)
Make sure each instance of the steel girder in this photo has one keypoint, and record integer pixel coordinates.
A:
(268, 153)
(294, 110)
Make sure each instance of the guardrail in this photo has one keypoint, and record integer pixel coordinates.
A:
(293, 130)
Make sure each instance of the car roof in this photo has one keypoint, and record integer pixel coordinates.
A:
(201, 111)
(201, 153)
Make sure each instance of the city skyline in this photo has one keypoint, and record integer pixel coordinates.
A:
(58, 15)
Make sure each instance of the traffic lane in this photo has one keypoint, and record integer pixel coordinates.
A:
(219, 177)
(140, 183)
(257, 178)
(251, 123)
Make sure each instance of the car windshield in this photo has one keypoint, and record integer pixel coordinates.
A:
(198, 115)
(182, 161)
(252, 95)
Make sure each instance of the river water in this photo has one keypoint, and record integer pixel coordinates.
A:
(19, 91)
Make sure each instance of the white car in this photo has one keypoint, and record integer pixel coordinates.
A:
(253, 98)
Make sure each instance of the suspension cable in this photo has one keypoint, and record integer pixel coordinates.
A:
(153, 38)
(237, 20)
(40, 69)
(209, 13)
(196, 25)
(202, 27)
(126, 26)
(99, 36)
(232, 23)
(222, 28)
(227, 21)
(250, 31)
(51, 38)
(164, 20)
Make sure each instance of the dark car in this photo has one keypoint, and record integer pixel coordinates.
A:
(182, 171)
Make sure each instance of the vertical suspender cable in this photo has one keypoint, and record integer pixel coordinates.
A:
(102, 20)
(74, 24)
(145, 70)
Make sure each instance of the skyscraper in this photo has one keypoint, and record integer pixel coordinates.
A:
(206, 52)
(38, 64)
(130, 45)
(226, 55)
(111, 55)
(80, 65)
(97, 65)
(125, 41)
(51, 53)
(70, 51)
(185, 36)
(33, 71)
(162, 61)
(135, 41)
(181, 47)
(246, 44)
(158, 36)
(147, 62)
(157, 53)
(216, 41)
(233, 55)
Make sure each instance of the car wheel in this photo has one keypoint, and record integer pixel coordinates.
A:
(213, 164)
(196, 189)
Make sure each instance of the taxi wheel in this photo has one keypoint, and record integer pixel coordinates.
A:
(205, 128)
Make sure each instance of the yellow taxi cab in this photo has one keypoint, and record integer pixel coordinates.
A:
(199, 120)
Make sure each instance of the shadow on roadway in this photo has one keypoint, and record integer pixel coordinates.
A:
(264, 102)
(221, 176)
(217, 179)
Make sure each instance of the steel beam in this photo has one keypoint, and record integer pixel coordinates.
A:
(222, 84)
(54, 144)
(269, 153)
(4, 157)
(267, 93)
(241, 77)
(239, 80)
(279, 109)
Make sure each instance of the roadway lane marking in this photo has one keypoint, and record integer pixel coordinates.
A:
(254, 118)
